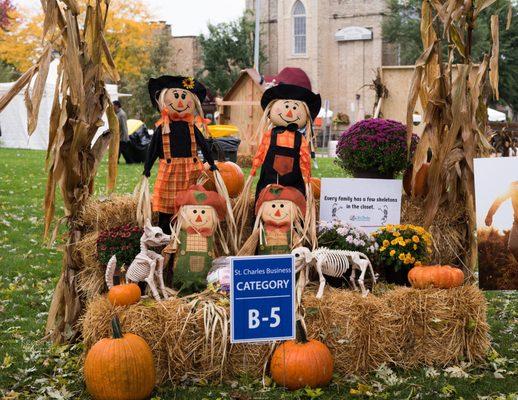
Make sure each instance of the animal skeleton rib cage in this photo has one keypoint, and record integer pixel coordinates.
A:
(334, 263)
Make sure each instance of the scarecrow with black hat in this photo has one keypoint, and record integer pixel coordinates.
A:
(284, 154)
(175, 143)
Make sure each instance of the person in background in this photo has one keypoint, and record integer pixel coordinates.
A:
(511, 194)
(123, 125)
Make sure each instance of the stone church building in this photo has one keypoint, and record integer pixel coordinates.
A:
(337, 42)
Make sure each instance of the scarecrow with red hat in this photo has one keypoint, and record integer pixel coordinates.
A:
(175, 143)
(278, 226)
(284, 153)
(197, 216)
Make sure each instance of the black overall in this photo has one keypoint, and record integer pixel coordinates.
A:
(282, 164)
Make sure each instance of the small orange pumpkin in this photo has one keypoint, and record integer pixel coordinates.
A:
(124, 294)
(437, 276)
(120, 368)
(315, 185)
(299, 363)
(420, 182)
(232, 176)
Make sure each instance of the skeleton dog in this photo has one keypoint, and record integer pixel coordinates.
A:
(147, 265)
(334, 263)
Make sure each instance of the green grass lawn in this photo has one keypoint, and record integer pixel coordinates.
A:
(32, 368)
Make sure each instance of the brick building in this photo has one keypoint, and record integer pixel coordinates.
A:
(337, 42)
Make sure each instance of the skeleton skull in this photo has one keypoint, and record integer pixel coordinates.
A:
(278, 212)
(154, 236)
(285, 112)
(199, 217)
(179, 101)
(302, 256)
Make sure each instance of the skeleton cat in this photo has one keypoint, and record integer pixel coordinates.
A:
(147, 265)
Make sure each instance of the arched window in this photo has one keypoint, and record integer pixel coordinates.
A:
(299, 28)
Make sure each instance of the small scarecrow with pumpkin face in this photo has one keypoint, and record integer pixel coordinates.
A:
(284, 154)
(278, 226)
(196, 223)
(175, 143)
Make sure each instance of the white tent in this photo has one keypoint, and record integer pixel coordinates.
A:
(495, 116)
(13, 119)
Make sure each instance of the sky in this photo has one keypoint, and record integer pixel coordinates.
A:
(187, 17)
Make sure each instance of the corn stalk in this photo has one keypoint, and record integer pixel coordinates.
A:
(450, 88)
(76, 32)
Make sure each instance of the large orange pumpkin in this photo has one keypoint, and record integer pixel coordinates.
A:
(125, 294)
(302, 362)
(437, 276)
(232, 176)
(315, 185)
(420, 182)
(120, 368)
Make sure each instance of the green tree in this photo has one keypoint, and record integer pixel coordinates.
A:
(227, 49)
(8, 72)
(402, 28)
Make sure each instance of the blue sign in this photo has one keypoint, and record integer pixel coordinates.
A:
(262, 298)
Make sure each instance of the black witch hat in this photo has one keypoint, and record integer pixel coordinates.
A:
(156, 85)
(293, 84)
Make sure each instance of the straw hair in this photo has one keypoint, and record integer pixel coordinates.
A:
(403, 327)
(143, 199)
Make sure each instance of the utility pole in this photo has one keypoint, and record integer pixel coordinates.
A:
(257, 33)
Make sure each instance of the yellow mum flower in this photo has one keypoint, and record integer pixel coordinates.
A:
(417, 264)
(383, 248)
(402, 243)
(394, 241)
(402, 256)
(407, 240)
(392, 252)
(396, 234)
(386, 243)
(415, 246)
(415, 239)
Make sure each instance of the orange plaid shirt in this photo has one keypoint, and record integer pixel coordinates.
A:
(284, 139)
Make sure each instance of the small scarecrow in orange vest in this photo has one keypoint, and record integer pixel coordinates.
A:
(196, 224)
(279, 222)
(175, 143)
(285, 129)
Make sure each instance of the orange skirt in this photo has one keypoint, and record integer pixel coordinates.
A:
(172, 178)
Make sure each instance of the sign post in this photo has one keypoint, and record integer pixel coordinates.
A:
(262, 298)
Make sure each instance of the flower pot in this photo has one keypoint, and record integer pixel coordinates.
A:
(396, 277)
(373, 174)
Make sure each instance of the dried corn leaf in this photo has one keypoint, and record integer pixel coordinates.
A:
(493, 62)
(114, 148)
(414, 89)
(72, 6)
(17, 87)
(33, 100)
(482, 5)
(509, 16)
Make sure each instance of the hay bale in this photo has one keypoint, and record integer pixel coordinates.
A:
(404, 327)
(449, 229)
(361, 332)
(104, 214)
(91, 276)
(439, 327)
